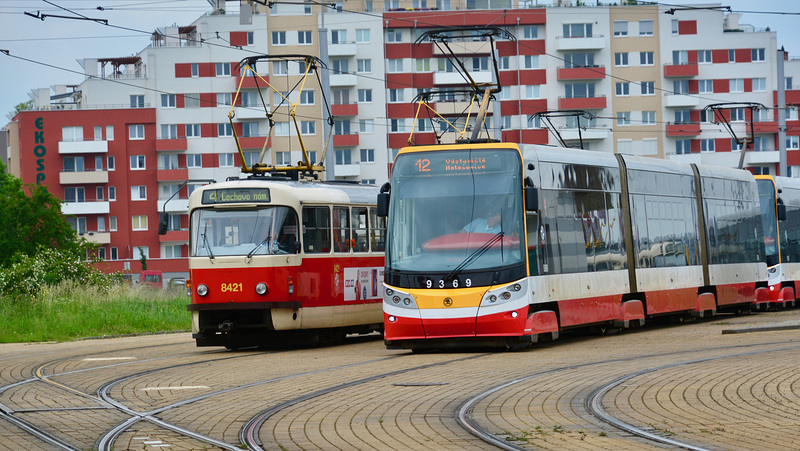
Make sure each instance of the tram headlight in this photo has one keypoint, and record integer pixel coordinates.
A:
(492, 298)
(389, 292)
(517, 287)
(396, 299)
(406, 301)
(261, 288)
(202, 289)
(506, 295)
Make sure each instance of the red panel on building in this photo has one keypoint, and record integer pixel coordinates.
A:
(420, 139)
(207, 69)
(581, 73)
(506, 48)
(398, 140)
(208, 99)
(423, 50)
(398, 50)
(743, 55)
(581, 103)
(533, 77)
(509, 108)
(722, 85)
(210, 160)
(535, 136)
(532, 106)
(171, 144)
(251, 142)
(239, 38)
(722, 145)
(533, 47)
(695, 146)
(474, 18)
(719, 55)
(423, 81)
(399, 81)
(345, 110)
(687, 27)
(694, 115)
(691, 56)
(180, 101)
(401, 110)
(692, 129)
(183, 70)
(508, 78)
(680, 70)
(793, 157)
(208, 130)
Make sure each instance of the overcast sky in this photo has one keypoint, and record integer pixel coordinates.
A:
(45, 52)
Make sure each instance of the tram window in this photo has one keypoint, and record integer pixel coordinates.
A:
(360, 229)
(287, 234)
(341, 229)
(316, 230)
(377, 231)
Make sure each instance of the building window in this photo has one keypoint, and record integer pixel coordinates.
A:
(139, 192)
(793, 142)
(308, 128)
(138, 163)
(757, 55)
(624, 118)
(195, 70)
(339, 36)
(109, 132)
(707, 145)
(340, 65)
(533, 91)
(423, 65)
(680, 57)
(307, 97)
(364, 66)
(283, 158)
(74, 194)
(112, 193)
(683, 146)
(394, 65)
(578, 90)
(365, 126)
(704, 57)
(224, 99)
(397, 125)
(194, 161)
(737, 114)
(139, 223)
(368, 155)
(621, 59)
(731, 55)
(226, 160)
(251, 38)
(136, 131)
(224, 129)
(112, 223)
(98, 132)
(394, 35)
(280, 68)
(759, 84)
(343, 156)
(73, 164)
(623, 89)
(364, 96)
(530, 32)
(172, 251)
(531, 62)
(736, 84)
(137, 101)
(396, 95)
(111, 163)
(481, 64)
(648, 88)
(304, 38)
(705, 86)
(341, 127)
(72, 134)
(577, 30)
(167, 100)
(648, 118)
(645, 28)
(362, 36)
(680, 87)
(579, 59)
(193, 130)
(98, 163)
(620, 28)
(281, 128)
(223, 69)
(647, 58)
(169, 131)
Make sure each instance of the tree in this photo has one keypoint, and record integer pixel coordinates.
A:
(31, 217)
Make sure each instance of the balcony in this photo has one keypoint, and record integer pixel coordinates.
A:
(762, 157)
(85, 208)
(176, 205)
(588, 134)
(680, 70)
(347, 170)
(342, 49)
(581, 73)
(83, 177)
(345, 141)
(581, 103)
(171, 144)
(164, 175)
(350, 109)
(681, 100)
(459, 107)
(581, 43)
(470, 48)
(765, 127)
(73, 147)
(97, 237)
(454, 78)
(250, 112)
(343, 79)
(684, 129)
(174, 235)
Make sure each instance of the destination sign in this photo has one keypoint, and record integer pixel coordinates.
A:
(236, 195)
(460, 162)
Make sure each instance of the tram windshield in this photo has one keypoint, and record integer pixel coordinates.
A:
(455, 211)
(265, 230)
(766, 196)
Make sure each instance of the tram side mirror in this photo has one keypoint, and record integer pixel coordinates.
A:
(781, 211)
(531, 199)
(297, 247)
(383, 200)
(163, 220)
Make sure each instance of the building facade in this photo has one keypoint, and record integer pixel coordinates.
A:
(141, 132)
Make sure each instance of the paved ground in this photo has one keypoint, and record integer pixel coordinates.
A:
(692, 385)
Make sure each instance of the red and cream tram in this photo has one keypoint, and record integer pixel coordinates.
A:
(780, 212)
(272, 260)
(500, 244)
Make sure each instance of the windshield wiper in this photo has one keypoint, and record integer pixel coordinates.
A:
(258, 246)
(205, 242)
(474, 256)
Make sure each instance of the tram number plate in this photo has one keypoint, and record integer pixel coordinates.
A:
(430, 283)
(233, 287)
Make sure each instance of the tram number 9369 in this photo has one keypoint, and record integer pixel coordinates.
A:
(430, 283)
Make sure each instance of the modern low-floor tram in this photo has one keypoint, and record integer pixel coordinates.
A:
(585, 238)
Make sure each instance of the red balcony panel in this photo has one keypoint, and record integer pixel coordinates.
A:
(170, 144)
(689, 129)
(401, 110)
(249, 81)
(509, 108)
(535, 136)
(163, 175)
(345, 109)
(423, 139)
(533, 77)
(581, 103)
(397, 140)
(345, 140)
(531, 106)
(680, 70)
(581, 73)
(174, 235)
(399, 81)
(512, 136)
(765, 127)
(252, 142)
(398, 50)
(423, 80)
(508, 78)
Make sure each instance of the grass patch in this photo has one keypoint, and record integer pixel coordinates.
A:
(68, 311)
